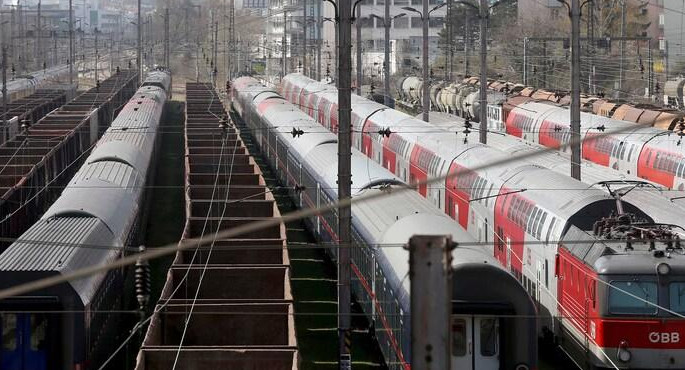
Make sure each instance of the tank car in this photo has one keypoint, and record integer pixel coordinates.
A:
(309, 163)
(534, 231)
(73, 325)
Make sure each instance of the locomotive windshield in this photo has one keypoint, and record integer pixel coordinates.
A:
(633, 297)
(676, 293)
(643, 296)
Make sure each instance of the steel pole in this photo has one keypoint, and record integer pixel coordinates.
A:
(319, 39)
(525, 61)
(4, 85)
(284, 49)
(304, 38)
(358, 24)
(575, 89)
(97, 56)
(467, 42)
(337, 51)
(344, 181)
(39, 43)
(71, 42)
(386, 55)
(140, 45)
(623, 48)
(484, 10)
(426, 83)
(450, 39)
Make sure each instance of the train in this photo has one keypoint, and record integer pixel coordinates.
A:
(462, 98)
(650, 150)
(582, 255)
(94, 221)
(649, 153)
(25, 85)
(493, 325)
(646, 196)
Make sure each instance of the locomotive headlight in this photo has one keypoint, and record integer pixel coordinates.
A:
(624, 354)
(522, 367)
(663, 269)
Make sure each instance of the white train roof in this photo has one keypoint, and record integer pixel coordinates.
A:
(649, 200)
(323, 160)
(283, 118)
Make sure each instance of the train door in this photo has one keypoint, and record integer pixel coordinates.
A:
(23, 341)
(475, 343)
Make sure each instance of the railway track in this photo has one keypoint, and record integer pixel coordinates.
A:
(38, 162)
(228, 303)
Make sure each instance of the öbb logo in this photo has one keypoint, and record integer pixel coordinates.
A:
(656, 337)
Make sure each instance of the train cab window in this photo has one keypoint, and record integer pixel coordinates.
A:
(39, 325)
(458, 337)
(622, 303)
(676, 293)
(488, 337)
(9, 331)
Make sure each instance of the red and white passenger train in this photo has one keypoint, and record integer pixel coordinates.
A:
(491, 328)
(647, 152)
(610, 286)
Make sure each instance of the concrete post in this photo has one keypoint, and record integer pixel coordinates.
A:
(431, 301)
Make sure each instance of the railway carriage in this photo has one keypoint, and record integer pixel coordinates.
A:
(649, 153)
(73, 325)
(534, 232)
(308, 164)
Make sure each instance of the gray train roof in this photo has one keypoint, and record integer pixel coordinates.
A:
(49, 247)
(161, 79)
(612, 258)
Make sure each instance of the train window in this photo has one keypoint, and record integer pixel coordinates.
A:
(634, 297)
(542, 222)
(531, 221)
(676, 292)
(39, 325)
(546, 273)
(9, 331)
(549, 230)
(630, 153)
(488, 337)
(487, 200)
(458, 337)
(623, 149)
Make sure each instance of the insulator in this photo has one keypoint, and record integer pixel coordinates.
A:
(142, 281)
